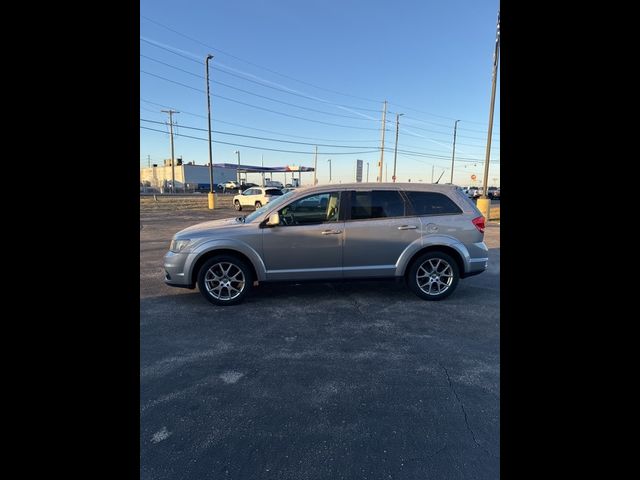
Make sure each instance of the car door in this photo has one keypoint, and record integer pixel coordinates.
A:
(439, 215)
(378, 228)
(307, 244)
(246, 199)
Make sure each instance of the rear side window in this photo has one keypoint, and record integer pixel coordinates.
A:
(376, 204)
(272, 191)
(432, 203)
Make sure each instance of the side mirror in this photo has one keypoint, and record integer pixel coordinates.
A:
(274, 219)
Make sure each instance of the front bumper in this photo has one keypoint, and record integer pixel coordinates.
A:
(175, 270)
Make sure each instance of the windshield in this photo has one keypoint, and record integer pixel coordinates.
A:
(273, 203)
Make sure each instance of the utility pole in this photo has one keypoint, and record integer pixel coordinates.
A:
(367, 172)
(211, 195)
(315, 167)
(329, 170)
(432, 167)
(148, 161)
(262, 159)
(386, 171)
(455, 129)
(395, 152)
(173, 168)
(484, 202)
(384, 123)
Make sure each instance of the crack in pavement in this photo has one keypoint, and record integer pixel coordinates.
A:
(466, 419)
(353, 300)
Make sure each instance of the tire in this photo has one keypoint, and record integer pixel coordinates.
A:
(258, 205)
(433, 284)
(237, 205)
(235, 268)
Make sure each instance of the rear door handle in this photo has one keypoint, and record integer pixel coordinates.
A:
(407, 227)
(331, 232)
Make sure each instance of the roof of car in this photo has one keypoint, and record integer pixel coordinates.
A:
(385, 185)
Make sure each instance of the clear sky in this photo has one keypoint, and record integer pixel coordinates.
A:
(325, 67)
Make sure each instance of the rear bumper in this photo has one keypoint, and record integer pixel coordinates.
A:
(478, 259)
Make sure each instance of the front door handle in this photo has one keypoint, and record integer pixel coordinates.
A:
(331, 232)
(407, 227)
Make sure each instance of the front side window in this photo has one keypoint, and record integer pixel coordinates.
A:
(251, 191)
(319, 208)
(432, 203)
(376, 204)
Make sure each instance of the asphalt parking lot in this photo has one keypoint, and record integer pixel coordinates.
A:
(316, 381)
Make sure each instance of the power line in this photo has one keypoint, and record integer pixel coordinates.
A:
(255, 106)
(442, 157)
(263, 148)
(255, 64)
(295, 79)
(421, 154)
(446, 133)
(433, 114)
(243, 76)
(253, 128)
(262, 96)
(263, 138)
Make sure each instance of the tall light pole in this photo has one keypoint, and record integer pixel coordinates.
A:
(211, 195)
(315, 167)
(455, 129)
(238, 173)
(484, 202)
(329, 160)
(367, 172)
(395, 152)
(384, 127)
(262, 163)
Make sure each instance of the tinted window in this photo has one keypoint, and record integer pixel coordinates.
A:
(250, 191)
(376, 204)
(431, 203)
(272, 191)
(320, 208)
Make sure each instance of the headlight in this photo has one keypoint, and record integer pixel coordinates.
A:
(178, 245)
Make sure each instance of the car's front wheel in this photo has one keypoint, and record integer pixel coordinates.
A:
(237, 205)
(433, 276)
(225, 280)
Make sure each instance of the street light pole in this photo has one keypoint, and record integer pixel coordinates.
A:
(238, 173)
(367, 172)
(329, 160)
(395, 152)
(211, 196)
(455, 129)
(484, 202)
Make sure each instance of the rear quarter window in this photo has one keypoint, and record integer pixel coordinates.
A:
(432, 203)
(272, 191)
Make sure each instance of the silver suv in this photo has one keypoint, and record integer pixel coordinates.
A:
(430, 235)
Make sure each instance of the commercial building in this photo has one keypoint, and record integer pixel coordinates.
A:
(192, 177)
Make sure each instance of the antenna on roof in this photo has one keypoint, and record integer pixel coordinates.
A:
(440, 176)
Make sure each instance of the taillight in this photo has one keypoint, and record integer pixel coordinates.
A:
(479, 223)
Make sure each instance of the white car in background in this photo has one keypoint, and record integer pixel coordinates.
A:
(255, 197)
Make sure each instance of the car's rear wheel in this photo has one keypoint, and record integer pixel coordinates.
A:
(237, 205)
(433, 276)
(258, 205)
(224, 280)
